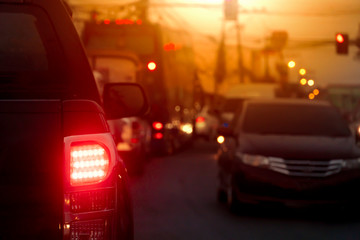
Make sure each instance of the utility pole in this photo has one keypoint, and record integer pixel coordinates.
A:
(144, 10)
(231, 8)
(240, 54)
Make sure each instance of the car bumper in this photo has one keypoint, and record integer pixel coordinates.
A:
(257, 185)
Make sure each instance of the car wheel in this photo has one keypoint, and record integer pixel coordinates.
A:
(232, 199)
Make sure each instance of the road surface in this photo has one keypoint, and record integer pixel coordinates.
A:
(175, 200)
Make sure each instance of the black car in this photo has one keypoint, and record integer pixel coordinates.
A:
(292, 152)
(60, 174)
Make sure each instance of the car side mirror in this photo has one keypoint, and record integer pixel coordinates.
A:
(124, 100)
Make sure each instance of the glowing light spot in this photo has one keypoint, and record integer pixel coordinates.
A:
(311, 82)
(158, 135)
(316, 92)
(220, 139)
(302, 71)
(340, 38)
(158, 125)
(303, 81)
(311, 96)
(151, 66)
(291, 64)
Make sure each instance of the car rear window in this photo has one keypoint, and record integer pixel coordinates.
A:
(290, 119)
(31, 60)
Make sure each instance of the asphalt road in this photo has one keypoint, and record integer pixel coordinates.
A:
(176, 199)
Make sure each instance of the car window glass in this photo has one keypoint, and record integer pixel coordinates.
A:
(294, 120)
(16, 52)
(31, 59)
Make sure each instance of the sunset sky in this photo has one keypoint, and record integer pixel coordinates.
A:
(306, 21)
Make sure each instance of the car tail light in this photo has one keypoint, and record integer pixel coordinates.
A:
(89, 163)
(157, 125)
(88, 201)
(158, 135)
(135, 140)
(200, 119)
(96, 229)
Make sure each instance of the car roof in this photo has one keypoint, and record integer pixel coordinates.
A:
(287, 101)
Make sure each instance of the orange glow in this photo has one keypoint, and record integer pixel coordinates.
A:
(311, 96)
(169, 47)
(107, 21)
(220, 139)
(124, 21)
(311, 82)
(151, 66)
(339, 38)
(303, 81)
(89, 163)
(316, 92)
(157, 125)
(200, 119)
(139, 22)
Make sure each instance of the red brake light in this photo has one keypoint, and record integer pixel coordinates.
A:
(340, 38)
(158, 135)
(200, 119)
(157, 125)
(89, 163)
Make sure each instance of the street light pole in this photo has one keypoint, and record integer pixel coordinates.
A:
(240, 54)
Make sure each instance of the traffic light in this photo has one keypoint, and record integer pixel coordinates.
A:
(230, 9)
(342, 43)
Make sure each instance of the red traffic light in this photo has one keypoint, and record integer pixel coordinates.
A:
(342, 43)
(339, 38)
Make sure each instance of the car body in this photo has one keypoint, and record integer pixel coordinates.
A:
(289, 151)
(59, 168)
(132, 138)
(206, 123)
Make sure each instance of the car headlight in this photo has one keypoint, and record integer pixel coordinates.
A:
(351, 163)
(255, 160)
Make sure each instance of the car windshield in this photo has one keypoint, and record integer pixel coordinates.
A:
(290, 119)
